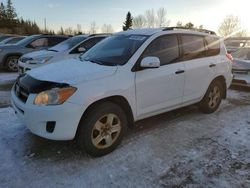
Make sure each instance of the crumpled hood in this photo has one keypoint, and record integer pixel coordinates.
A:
(72, 71)
(39, 54)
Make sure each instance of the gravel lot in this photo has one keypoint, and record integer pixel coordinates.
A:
(183, 148)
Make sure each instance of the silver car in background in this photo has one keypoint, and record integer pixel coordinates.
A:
(9, 54)
(70, 48)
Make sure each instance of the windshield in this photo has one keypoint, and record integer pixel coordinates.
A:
(26, 39)
(114, 50)
(14, 40)
(67, 44)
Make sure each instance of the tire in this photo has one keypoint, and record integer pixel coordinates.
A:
(101, 130)
(212, 99)
(11, 63)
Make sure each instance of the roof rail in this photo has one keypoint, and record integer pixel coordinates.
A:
(193, 29)
(92, 35)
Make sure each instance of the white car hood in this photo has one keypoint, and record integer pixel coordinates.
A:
(40, 54)
(72, 71)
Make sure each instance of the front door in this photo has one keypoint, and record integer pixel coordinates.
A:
(159, 89)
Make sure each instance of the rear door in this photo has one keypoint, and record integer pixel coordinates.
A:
(158, 89)
(199, 67)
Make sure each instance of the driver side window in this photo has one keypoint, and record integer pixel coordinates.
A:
(42, 42)
(166, 48)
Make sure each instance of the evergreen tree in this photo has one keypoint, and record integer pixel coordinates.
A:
(128, 23)
(2, 12)
(10, 11)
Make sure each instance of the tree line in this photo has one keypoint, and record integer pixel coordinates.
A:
(12, 24)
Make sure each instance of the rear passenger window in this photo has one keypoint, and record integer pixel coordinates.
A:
(165, 48)
(213, 46)
(56, 40)
(41, 42)
(193, 47)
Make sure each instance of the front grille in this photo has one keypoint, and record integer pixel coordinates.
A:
(25, 59)
(21, 93)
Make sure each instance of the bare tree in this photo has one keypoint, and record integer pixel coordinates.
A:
(93, 28)
(150, 18)
(161, 18)
(231, 26)
(179, 24)
(79, 29)
(69, 31)
(139, 22)
(107, 28)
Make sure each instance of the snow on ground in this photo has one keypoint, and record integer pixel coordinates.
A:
(183, 148)
(6, 77)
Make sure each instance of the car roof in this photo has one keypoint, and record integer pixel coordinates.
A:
(147, 31)
(152, 31)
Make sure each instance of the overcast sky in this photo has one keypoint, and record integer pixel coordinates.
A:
(69, 13)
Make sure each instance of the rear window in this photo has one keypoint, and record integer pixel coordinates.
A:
(193, 47)
(213, 46)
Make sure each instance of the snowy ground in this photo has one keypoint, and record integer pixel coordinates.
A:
(7, 77)
(183, 148)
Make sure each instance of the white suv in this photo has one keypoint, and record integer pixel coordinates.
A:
(127, 77)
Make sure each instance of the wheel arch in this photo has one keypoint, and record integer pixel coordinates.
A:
(9, 55)
(117, 99)
(222, 80)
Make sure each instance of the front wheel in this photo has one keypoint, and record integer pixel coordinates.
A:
(212, 99)
(11, 63)
(101, 129)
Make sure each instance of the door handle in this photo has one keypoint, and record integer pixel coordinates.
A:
(212, 65)
(179, 71)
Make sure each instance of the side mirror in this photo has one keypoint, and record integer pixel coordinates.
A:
(82, 49)
(150, 62)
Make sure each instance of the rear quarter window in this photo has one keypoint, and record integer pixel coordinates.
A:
(213, 46)
(193, 47)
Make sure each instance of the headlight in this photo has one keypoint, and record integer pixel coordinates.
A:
(54, 96)
(40, 60)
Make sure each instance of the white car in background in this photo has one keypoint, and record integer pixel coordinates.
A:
(70, 48)
(127, 77)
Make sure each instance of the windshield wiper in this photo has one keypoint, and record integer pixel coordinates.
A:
(95, 61)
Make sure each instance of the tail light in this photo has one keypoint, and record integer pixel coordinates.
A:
(230, 57)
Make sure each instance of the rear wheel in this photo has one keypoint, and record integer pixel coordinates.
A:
(102, 129)
(212, 99)
(11, 63)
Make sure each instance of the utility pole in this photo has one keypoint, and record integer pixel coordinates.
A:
(45, 24)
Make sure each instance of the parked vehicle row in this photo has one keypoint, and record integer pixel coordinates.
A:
(11, 40)
(69, 48)
(126, 77)
(9, 54)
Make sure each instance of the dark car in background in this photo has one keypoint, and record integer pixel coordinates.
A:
(9, 54)
(11, 40)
